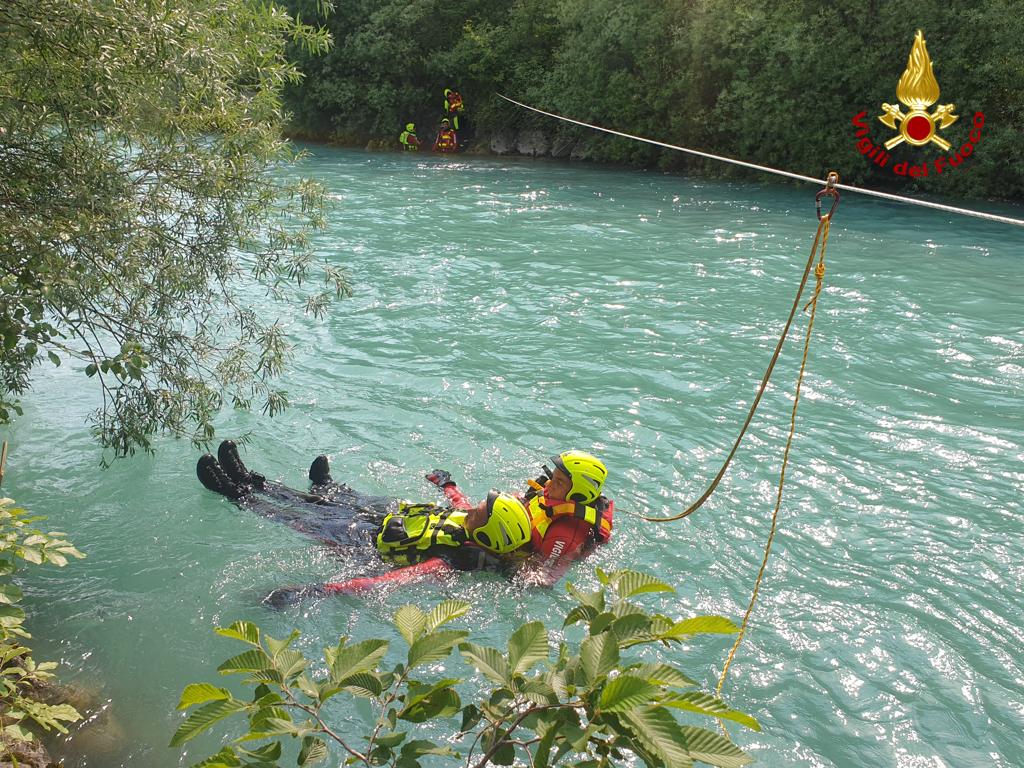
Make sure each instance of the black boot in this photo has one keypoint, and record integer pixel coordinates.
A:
(320, 471)
(232, 463)
(213, 476)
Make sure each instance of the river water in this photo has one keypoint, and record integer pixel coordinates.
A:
(508, 309)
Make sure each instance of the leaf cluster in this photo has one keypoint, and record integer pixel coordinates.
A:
(140, 147)
(21, 541)
(545, 702)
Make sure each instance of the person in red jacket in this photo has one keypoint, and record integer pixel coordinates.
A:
(446, 140)
(569, 515)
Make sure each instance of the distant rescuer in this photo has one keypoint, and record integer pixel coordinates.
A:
(446, 141)
(453, 106)
(408, 138)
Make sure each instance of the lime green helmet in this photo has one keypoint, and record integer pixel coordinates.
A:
(587, 473)
(507, 527)
(410, 127)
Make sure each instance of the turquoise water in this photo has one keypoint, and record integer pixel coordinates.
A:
(505, 310)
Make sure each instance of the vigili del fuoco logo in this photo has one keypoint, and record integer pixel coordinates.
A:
(917, 90)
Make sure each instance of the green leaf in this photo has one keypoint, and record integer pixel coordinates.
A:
(358, 657)
(392, 739)
(54, 357)
(628, 628)
(593, 600)
(539, 692)
(628, 583)
(365, 684)
(599, 655)
(627, 692)
(313, 751)
(10, 593)
(290, 663)
(200, 693)
(268, 753)
(11, 615)
(276, 646)
(601, 622)
(249, 661)
(261, 718)
(662, 674)
(489, 661)
(434, 646)
(445, 612)
(580, 613)
(505, 755)
(542, 756)
(204, 717)
(527, 646)
(245, 631)
(659, 732)
(706, 704)
(443, 702)
(226, 758)
(416, 747)
(19, 732)
(709, 747)
(700, 625)
(411, 622)
(470, 717)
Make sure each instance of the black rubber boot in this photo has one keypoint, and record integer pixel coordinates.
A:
(232, 463)
(212, 475)
(320, 471)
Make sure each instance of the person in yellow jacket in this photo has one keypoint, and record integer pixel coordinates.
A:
(569, 515)
(408, 138)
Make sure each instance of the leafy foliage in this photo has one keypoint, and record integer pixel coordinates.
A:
(138, 142)
(543, 703)
(19, 672)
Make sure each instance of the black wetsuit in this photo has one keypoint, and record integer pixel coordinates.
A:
(333, 513)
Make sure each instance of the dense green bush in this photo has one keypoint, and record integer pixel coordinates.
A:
(594, 703)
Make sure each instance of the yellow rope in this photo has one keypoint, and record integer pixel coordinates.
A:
(822, 224)
(819, 273)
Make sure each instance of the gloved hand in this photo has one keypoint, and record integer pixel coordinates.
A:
(440, 478)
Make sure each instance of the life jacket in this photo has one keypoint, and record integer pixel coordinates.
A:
(410, 146)
(418, 532)
(445, 141)
(453, 102)
(598, 515)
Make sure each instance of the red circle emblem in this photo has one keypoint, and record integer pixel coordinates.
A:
(919, 127)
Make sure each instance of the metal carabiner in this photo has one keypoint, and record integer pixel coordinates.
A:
(829, 191)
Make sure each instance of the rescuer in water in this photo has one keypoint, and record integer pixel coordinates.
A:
(561, 518)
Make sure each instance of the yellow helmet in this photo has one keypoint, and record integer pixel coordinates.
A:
(587, 473)
(410, 127)
(507, 527)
